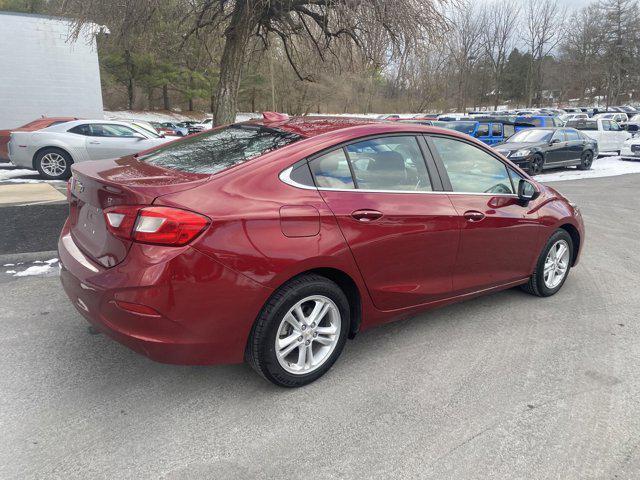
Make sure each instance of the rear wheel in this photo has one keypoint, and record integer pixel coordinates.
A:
(586, 160)
(300, 332)
(552, 267)
(53, 164)
(537, 164)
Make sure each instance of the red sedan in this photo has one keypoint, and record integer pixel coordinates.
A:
(274, 241)
(39, 124)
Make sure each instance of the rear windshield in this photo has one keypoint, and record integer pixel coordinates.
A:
(582, 124)
(217, 150)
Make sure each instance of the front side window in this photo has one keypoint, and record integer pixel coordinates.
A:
(216, 150)
(558, 135)
(389, 163)
(509, 130)
(331, 170)
(496, 129)
(606, 125)
(472, 170)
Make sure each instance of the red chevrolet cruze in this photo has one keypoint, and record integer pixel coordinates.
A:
(276, 240)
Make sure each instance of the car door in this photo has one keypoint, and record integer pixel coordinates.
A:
(619, 134)
(499, 235)
(575, 145)
(401, 228)
(607, 140)
(557, 150)
(109, 140)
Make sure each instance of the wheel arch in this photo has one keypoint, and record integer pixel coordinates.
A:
(575, 238)
(40, 149)
(347, 284)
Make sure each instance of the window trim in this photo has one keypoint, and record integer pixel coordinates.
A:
(439, 178)
(436, 184)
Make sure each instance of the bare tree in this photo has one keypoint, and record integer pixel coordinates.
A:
(465, 48)
(501, 20)
(543, 31)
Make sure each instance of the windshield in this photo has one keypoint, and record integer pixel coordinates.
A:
(464, 127)
(531, 135)
(217, 150)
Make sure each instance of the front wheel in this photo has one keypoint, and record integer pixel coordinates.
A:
(300, 331)
(53, 164)
(552, 267)
(537, 164)
(586, 160)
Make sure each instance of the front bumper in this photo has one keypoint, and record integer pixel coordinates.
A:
(205, 310)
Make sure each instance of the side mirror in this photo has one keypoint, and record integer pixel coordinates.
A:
(527, 191)
(554, 140)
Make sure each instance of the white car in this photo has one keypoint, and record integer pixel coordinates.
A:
(631, 148)
(615, 116)
(52, 150)
(609, 135)
(206, 124)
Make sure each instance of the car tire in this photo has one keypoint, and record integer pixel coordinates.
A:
(53, 164)
(536, 165)
(586, 160)
(272, 331)
(539, 283)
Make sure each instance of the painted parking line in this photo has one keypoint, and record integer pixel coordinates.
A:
(29, 193)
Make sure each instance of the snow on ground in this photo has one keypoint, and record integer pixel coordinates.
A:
(8, 171)
(39, 267)
(602, 167)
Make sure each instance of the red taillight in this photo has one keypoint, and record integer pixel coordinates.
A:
(155, 225)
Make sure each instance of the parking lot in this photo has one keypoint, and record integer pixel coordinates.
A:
(504, 386)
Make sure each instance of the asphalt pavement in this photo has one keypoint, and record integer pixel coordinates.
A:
(507, 386)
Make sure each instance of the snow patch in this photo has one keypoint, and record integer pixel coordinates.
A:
(8, 173)
(602, 167)
(35, 270)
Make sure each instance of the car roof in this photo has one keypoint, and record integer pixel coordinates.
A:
(312, 126)
(63, 127)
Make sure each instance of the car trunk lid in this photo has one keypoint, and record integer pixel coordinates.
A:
(96, 186)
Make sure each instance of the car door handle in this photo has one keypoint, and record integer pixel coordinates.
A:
(473, 216)
(93, 142)
(366, 215)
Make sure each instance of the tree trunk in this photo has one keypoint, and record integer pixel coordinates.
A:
(166, 103)
(243, 23)
(131, 74)
(190, 92)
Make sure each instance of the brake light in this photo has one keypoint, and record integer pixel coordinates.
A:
(155, 225)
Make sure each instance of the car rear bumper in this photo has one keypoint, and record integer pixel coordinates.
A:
(205, 311)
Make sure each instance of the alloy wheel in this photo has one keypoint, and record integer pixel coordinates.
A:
(308, 334)
(556, 265)
(536, 165)
(587, 159)
(53, 164)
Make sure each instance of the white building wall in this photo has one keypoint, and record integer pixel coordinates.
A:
(44, 72)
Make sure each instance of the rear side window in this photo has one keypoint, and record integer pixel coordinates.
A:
(496, 129)
(472, 170)
(389, 163)
(572, 135)
(331, 170)
(583, 124)
(81, 130)
(217, 150)
(483, 130)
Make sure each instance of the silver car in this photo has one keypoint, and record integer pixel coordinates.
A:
(52, 150)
